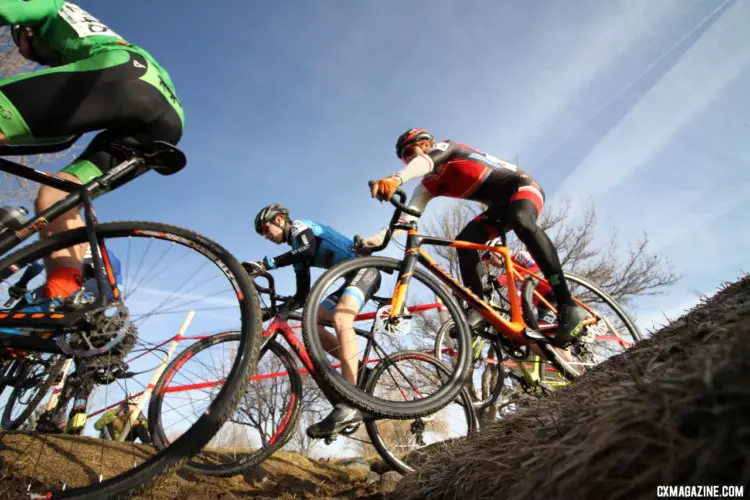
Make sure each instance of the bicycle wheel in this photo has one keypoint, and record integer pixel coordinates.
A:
(408, 446)
(264, 420)
(416, 326)
(34, 381)
(487, 376)
(612, 334)
(154, 257)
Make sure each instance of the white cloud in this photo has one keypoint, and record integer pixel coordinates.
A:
(558, 71)
(686, 90)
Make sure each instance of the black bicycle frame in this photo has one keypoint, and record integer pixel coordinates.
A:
(79, 195)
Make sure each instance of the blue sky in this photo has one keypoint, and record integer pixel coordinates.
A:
(639, 106)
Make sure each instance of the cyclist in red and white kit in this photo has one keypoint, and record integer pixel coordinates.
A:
(515, 202)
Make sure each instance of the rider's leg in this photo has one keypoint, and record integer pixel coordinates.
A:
(141, 432)
(522, 214)
(116, 90)
(357, 291)
(470, 264)
(63, 266)
(343, 321)
(330, 341)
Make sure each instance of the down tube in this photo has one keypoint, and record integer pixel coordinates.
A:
(402, 286)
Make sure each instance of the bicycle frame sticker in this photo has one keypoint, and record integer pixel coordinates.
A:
(32, 228)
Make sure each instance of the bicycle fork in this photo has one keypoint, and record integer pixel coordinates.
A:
(404, 277)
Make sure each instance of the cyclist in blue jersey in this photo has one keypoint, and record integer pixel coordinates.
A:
(318, 245)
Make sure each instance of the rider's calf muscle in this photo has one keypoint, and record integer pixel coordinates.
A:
(48, 196)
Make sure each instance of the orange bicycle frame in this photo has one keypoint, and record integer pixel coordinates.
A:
(512, 329)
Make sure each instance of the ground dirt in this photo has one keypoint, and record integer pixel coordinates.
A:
(673, 410)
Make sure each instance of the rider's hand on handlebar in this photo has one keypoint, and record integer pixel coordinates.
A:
(256, 267)
(383, 189)
(365, 245)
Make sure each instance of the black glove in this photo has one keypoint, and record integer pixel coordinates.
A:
(255, 267)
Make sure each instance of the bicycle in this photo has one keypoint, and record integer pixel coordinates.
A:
(99, 332)
(519, 332)
(273, 412)
(29, 375)
(526, 369)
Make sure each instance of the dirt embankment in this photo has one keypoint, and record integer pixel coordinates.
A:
(284, 476)
(674, 410)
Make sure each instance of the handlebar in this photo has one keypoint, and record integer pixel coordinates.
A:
(270, 290)
(398, 200)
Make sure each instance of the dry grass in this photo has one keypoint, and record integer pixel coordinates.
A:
(673, 410)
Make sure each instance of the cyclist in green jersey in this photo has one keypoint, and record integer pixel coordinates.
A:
(112, 423)
(97, 81)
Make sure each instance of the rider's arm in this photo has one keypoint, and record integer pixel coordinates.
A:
(17, 12)
(417, 167)
(302, 275)
(419, 200)
(424, 164)
(303, 241)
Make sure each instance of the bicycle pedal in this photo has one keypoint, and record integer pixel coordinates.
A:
(536, 336)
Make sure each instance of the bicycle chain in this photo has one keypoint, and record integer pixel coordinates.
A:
(102, 330)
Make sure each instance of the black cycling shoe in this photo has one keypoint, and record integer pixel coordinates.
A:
(569, 319)
(49, 423)
(341, 417)
(475, 321)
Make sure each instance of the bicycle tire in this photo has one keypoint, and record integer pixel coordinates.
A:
(247, 461)
(497, 389)
(567, 370)
(139, 479)
(353, 394)
(6, 367)
(43, 388)
(372, 431)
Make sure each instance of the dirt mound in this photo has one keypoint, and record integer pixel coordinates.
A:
(285, 475)
(671, 411)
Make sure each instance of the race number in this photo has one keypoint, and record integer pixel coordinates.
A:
(83, 23)
(494, 161)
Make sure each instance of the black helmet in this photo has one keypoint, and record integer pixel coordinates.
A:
(267, 214)
(410, 137)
